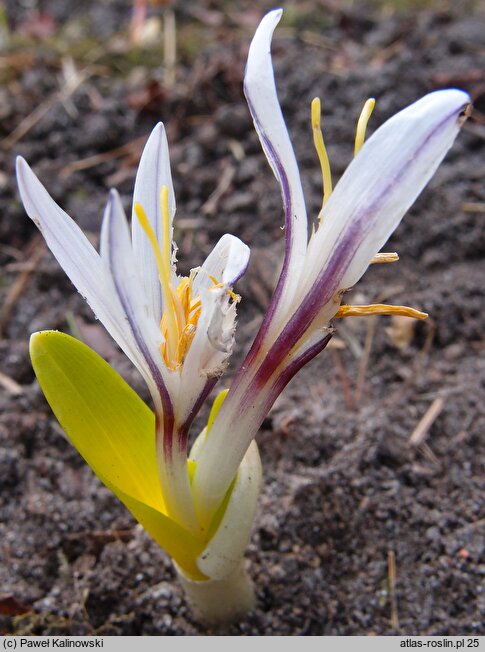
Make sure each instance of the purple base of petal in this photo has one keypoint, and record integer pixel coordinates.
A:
(294, 367)
(183, 430)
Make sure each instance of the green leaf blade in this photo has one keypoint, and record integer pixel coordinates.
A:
(113, 430)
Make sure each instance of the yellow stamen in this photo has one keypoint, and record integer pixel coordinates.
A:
(181, 313)
(187, 313)
(166, 236)
(178, 308)
(193, 319)
(379, 309)
(235, 297)
(385, 257)
(184, 292)
(185, 341)
(162, 258)
(321, 150)
(195, 303)
(362, 124)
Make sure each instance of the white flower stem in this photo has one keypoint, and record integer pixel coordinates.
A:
(220, 601)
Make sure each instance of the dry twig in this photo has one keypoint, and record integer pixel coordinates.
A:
(473, 207)
(392, 576)
(344, 381)
(10, 385)
(364, 360)
(210, 206)
(419, 433)
(132, 148)
(73, 79)
(36, 248)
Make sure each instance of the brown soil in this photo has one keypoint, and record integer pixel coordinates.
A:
(346, 493)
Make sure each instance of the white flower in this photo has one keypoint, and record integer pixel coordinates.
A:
(380, 184)
(178, 332)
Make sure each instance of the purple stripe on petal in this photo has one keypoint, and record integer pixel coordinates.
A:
(167, 407)
(328, 282)
(123, 295)
(288, 209)
(183, 430)
(320, 294)
(242, 270)
(166, 434)
(294, 367)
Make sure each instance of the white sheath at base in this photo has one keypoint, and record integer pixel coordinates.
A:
(220, 601)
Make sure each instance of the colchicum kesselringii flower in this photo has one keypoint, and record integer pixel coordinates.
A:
(179, 332)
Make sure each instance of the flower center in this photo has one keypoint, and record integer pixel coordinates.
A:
(181, 310)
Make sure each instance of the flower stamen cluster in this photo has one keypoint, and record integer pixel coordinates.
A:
(180, 317)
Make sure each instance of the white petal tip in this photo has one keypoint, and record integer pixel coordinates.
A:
(237, 259)
(158, 135)
(22, 169)
(448, 102)
(20, 161)
(158, 129)
(261, 43)
(268, 24)
(274, 15)
(113, 195)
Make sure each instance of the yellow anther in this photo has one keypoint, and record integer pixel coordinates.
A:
(178, 308)
(316, 112)
(195, 303)
(184, 292)
(194, 318)
(362, 124)
(379, 309)
(385, 257)
(185, 341)
(180, 317)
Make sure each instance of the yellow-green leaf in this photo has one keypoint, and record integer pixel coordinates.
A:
(113, 430)
(180, 544)
(103, 417)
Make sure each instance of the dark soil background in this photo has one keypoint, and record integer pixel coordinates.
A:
(365, 525)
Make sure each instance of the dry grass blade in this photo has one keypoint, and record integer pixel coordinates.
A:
(72, 80)
(419, 433)
(210, 206)
(344, 380)
(392, 578)
(169, 47)
(133, 148)
(10, 385)
(37, 249)
(364, 361)
(473, 207)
